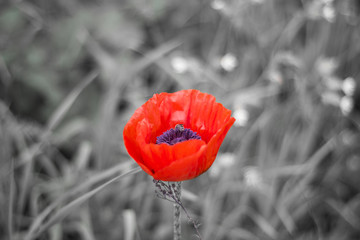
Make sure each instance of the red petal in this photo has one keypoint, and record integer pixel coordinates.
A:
(185, 168)
(216, 141)
(206, 116)
(159, 156)
(130, 140)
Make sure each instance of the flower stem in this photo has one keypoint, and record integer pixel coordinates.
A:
(177, 225)
(171, 191)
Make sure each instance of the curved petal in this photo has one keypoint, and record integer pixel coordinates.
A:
(162, 112)
(185, 168)
(130, 140)
(159, 156)
(216, 141)
(206, 116)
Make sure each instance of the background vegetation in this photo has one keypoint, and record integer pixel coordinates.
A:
(73, 72)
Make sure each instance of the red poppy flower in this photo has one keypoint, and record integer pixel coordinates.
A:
(176, 136)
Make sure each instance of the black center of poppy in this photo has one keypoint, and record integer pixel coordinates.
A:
(176, 135)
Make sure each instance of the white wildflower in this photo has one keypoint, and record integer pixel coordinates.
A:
(349, 86)
(346, 105)
(253, 178)
(228, 62)
(179, 64)
(329, 13)
(218, 5)
(242, 117)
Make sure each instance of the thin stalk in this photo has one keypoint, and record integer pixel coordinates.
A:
(171, 191)
(177, 225)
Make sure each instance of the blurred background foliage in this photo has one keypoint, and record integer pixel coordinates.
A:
(73, 72)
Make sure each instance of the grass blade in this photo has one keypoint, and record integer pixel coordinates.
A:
(68, 102)
(86, 185)
(70, 207)
(11, 200)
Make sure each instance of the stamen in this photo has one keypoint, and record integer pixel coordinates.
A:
(176, 135)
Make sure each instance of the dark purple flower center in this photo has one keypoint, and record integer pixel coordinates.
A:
(176, 135)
